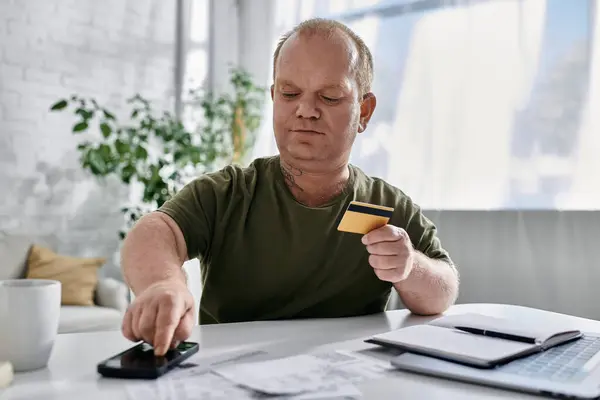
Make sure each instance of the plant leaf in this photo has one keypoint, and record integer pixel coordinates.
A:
(97, 163)
(141, 153)
(108, 115)
(127, 173)
(82, 126)
(85, 114)
(122, 147)
(59, 105)
(106, 130)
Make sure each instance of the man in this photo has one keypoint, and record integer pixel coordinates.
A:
(267, 234)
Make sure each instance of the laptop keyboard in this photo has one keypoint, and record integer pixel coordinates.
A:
(561, 363)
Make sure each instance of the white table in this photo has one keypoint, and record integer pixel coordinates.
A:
(71, 373)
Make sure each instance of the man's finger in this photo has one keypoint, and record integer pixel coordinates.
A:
(383, 248)
(126, 327)
(389, 275)
(147, 322)
(167, 319)
(385, 262)
(135, 322)
(386, 233)
(186, 324)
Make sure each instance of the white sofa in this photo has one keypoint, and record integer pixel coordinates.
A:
(111, 296)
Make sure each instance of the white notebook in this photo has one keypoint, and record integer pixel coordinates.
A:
(474, 339)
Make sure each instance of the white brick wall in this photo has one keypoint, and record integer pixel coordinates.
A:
(109, 49)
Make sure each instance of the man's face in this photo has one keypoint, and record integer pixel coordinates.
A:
(316, 105)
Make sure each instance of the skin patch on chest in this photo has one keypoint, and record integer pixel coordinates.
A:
(362, 217)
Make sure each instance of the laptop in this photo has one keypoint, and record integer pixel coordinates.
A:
(570, 370)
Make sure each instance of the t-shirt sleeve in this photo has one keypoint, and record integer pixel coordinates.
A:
(422, 232)
(193, 209)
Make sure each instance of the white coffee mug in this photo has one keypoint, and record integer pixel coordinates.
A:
(29, 316)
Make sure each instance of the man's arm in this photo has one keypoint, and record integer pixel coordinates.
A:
(431, 287)
(409, 254)
(154, 250)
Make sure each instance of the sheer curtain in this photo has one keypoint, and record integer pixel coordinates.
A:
(484, 106)
(586, 166)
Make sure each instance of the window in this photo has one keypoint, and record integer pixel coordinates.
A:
(196, 70)
(196, 44)
(487, 104)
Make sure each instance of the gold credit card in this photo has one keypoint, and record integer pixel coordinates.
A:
(364, 217)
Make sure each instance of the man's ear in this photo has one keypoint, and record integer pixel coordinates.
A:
(367, 107)
(272, 92)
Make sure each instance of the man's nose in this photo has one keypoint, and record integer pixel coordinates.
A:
(307, 108)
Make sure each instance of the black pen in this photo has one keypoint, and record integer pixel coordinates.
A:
(499, 335)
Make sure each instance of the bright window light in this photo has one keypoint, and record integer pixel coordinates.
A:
(199, 21)
(492, 105)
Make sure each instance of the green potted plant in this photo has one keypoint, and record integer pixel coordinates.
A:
(154, 150)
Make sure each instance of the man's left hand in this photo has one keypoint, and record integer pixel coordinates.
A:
(391, 253)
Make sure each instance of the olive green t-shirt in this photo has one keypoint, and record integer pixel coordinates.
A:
(266, 256)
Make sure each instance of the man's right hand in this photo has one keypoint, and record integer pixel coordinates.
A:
(162, 315)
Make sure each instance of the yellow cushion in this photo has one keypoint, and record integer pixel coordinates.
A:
(78, 276)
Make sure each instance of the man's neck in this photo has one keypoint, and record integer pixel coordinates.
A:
(315, 188)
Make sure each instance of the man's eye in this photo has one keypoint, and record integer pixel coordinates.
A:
(289, 95)
(330, 99)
